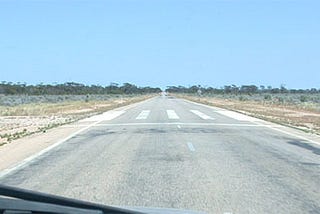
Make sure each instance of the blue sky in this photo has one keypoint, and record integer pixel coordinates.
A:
(161, 42)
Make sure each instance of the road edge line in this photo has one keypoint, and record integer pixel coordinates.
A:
(30, 159)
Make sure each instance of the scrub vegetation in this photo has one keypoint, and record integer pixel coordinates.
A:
(25, 110)
(295, 108)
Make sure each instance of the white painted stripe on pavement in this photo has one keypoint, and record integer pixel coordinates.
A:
(179, 123)
(231, 114)
(143, 115)
(172, 114)
(109, 115)
(191, 147)
(202, 115)
(238, 116)
(179, 127)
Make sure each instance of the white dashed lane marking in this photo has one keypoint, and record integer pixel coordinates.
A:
(143, 115)
(191, 147)
(172, 114)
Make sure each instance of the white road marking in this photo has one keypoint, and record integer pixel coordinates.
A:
(179, 127)
(109, 115)
(202, 115)
(143, 115)
(191, 147)
(231, 114)
(238, 116)
(172, 114)
(179, 123)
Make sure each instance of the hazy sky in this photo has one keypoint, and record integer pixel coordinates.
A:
(161, 42)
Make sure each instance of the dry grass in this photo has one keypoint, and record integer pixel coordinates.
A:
(22, 120)
(62, 108)
(306, 118)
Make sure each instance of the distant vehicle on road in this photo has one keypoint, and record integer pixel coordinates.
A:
(164, 93)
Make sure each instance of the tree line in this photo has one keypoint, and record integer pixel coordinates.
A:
(9, 88)
(234, 89)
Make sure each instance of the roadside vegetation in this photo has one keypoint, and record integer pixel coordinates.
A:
(296, 108)
(26, 110)
(72, 88)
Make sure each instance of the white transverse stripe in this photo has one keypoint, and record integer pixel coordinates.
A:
(202, 115)
(181, 124)
(172, 114)
(109, 115)
(143, 115)
(238, 116)
(191, 147)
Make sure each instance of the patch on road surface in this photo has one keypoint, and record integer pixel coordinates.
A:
(304, 145)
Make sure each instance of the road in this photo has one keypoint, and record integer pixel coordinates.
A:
(168, 152)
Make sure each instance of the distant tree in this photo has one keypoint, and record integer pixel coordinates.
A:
(9, 88)
(269, 88)
(313, 90)
(248, 89)
(194, 89)
(283, 89)
(227, 89)
(128, 88)
(275, 90)
(234, 89)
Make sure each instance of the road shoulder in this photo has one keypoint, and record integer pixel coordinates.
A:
(23, 150)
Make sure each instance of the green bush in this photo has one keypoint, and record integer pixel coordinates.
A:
(303, 98)
(242, 98)
(267, 97)
(280, 99)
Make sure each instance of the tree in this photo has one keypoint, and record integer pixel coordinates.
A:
(283, 89)
(248, 89)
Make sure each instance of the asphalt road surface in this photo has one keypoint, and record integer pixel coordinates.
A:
(167, 152)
